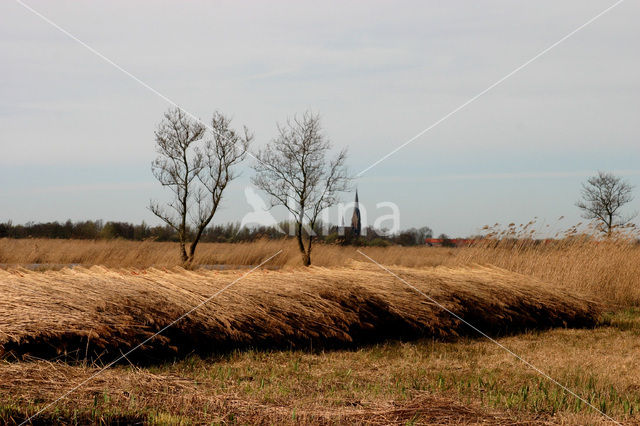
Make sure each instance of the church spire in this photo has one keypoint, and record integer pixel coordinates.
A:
(356, 225)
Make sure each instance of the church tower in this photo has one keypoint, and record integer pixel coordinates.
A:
(356, 225)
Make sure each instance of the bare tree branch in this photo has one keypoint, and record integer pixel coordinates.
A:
(293, 169)
(197, 169)
(603, 197)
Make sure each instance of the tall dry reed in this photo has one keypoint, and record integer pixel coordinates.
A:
(86, 311)
(606, 270)
(120, 253)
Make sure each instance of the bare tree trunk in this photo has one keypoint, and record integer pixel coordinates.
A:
(610, 225)
(194, 244)
(183, 251)
(192, 250)
(183, 218)
(306, 258)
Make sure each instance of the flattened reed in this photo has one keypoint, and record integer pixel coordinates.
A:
(83, 312)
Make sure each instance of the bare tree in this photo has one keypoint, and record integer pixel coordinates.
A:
(421, 234)
(296, 173)
(197, 168)
(603, 196)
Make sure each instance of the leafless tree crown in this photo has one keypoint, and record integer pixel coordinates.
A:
(603, 197)
(197, 167)
(294, 170)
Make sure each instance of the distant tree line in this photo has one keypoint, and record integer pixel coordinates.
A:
(224, 233)
(86, 230)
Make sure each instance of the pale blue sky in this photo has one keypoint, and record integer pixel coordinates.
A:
(76, 134)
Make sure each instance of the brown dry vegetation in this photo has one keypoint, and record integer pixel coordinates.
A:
(87, 311)
(470, 381)
(174, 397)
(606, 270)
(90, 314)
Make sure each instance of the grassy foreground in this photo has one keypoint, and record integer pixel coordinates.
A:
(429, 381)
(425, 382)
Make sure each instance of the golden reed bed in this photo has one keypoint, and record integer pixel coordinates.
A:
(606, 270)
(99, 311)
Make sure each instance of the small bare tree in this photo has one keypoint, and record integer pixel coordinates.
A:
(603, 197)
(197, 168)
(296, 173)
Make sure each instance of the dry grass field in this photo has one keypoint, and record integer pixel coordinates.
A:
(469, 381)
(340, 343)
(609, 271)
(86, 312)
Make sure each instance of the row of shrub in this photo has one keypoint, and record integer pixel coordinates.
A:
(224, 233)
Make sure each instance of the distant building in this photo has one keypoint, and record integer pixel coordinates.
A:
(355, 229)
(356, 223)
